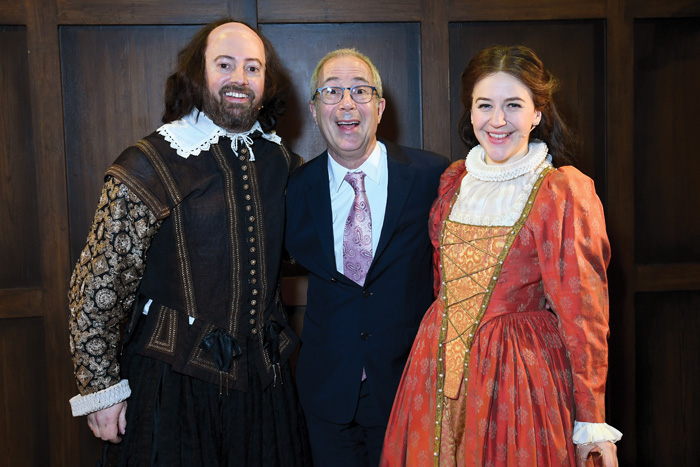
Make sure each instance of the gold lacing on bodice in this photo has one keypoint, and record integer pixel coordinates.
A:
(471, 259)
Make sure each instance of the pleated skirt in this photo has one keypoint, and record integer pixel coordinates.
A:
(176, 420)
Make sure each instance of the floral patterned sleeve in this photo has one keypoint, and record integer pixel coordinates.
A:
(573, 251)
(102, 291)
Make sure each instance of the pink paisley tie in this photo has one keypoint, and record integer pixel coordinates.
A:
(357, 237)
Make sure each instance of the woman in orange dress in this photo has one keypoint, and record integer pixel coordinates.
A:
(510, 362)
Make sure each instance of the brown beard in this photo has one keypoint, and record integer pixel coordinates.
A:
(231, 116)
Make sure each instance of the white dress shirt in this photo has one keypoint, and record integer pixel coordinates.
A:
(343, 196)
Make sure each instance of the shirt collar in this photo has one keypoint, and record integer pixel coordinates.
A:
(195, 133)
(371, 167)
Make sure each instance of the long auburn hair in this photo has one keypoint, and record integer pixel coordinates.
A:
(522, 63)
(185, 88)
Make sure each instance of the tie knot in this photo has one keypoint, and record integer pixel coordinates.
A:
(356, 180)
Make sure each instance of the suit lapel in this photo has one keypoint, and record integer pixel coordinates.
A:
(318, 200)
(400, 181)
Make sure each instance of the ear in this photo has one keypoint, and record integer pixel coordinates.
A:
(538, 117)
(312, 108)
(381, 105)
(471, 117)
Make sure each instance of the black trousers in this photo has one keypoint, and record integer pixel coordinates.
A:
(354, 444)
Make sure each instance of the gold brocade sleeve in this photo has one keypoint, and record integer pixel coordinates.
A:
(104, 284)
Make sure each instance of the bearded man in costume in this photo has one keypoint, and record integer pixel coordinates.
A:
(186, 248)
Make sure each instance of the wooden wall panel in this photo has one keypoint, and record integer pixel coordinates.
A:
(657, 9)
(667, 383)
(12, 12)
(394, 48)
(572, 50)
(517, 10)
(667, 67)
(149, 11)
(331, 11)
(19, 224)
(113, 87)
(630, 67)
(23, 393)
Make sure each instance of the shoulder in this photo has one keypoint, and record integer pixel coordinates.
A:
(424, 165)
(309, 170)
(452, 176)
(135, 154)
(420, 157)
(568, 179)
(135, 169)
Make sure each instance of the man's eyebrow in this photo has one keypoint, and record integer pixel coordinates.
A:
(223, 57)
(356, 78)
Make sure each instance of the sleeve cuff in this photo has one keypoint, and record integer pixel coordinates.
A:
(83, 405)
(585, 433)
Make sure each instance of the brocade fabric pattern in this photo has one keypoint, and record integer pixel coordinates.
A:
(530, 372)
(104, 284)
(357, 236)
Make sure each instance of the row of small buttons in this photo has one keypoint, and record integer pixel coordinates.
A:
(252, 240)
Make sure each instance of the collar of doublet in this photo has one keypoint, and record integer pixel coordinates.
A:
(195, 133)
(477, 167)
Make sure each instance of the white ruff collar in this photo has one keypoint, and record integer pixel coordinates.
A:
(477, 167)
(195, 133)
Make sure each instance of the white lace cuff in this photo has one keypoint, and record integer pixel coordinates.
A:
(585, 433)
(83, 405)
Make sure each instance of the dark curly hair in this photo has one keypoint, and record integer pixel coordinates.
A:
(185, 88)
(522, 63)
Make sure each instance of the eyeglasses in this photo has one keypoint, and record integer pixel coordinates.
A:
(333, 94)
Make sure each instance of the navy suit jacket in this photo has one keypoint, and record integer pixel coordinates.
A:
(348, 327)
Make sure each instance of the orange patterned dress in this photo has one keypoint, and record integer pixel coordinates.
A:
(496, 377)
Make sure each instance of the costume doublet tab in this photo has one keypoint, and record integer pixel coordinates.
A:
(219, 204)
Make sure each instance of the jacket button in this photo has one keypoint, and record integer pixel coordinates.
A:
(364, 335)
(366, 294)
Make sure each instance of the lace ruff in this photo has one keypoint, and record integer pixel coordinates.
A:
(496, 195)
(195, 133)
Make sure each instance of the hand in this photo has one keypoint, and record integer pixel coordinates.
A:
(107, 424)
(587, 454)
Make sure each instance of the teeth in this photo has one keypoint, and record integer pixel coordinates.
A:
(236, 94)
(499, 136)
(347, 123)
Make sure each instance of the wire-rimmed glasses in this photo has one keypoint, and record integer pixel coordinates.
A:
(361, 94)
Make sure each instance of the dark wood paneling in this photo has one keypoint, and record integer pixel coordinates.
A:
(666, 9)
(620, 395)
(23, 393)
(19, 229)
(666, 169)
(667, 277)
(510, 10)
(327, 11)
(668, 379)
(52, 210)
(104, 129)
(393, 48)
(435, 78)
(113, 83)
(150, 11)
(20, 303)
(572, 50)
(12, 12)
